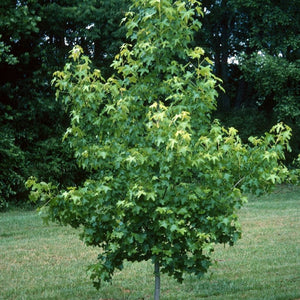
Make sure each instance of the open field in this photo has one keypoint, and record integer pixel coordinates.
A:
(49, 262)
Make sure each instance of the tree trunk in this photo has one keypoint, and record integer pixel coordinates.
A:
(157, 281)
(240, 95)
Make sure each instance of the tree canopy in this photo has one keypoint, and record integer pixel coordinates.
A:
(36, 37)
(252, 43)
(165, 181)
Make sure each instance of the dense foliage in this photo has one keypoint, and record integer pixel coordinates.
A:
(165, 180)
(254, 45)
(35, 37)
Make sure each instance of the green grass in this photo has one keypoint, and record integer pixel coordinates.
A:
(49, 262)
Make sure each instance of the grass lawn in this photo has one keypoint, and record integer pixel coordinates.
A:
(49, 262)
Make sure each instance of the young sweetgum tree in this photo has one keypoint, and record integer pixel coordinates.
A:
(166, 181)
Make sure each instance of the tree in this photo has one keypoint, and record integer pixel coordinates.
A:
(35, 38)
(94, 25)
(272, 66)
(276, 83)
(166, 181)
(232, 28)
(17, 22)
(255, 43)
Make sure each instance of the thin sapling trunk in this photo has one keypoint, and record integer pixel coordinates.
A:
(157, 281)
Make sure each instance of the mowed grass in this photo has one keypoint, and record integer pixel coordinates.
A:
(49, 262)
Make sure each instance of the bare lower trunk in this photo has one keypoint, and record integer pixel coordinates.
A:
(157, 281)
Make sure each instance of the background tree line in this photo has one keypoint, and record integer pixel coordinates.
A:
(254, 45)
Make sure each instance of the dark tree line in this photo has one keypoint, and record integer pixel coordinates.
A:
(254, 45)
